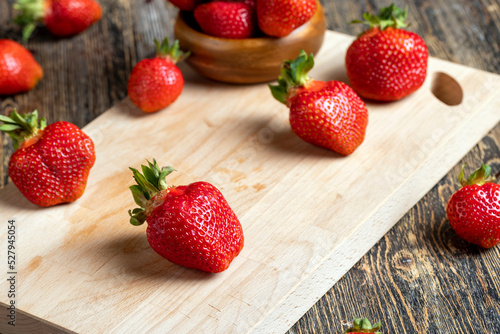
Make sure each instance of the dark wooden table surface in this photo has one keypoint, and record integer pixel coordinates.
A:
(419, 278)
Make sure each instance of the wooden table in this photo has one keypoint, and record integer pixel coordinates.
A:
(419, 278)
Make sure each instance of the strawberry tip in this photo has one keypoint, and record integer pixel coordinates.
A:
(293, 75)
(173, 52)
(391, 16)
(21, 128)
(31, 14)
(478, 177)
(149, 183)
(363, 325)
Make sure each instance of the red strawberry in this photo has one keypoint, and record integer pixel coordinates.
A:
(192, 226)
(62, 17)
(474, 210)
(187, 5)
(279, 18)
(363, 325)
(156, 83)
(327, 114)
(51, 163)
(19, 71)
(226, 19)
(387, 63)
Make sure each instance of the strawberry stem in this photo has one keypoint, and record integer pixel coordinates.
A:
(149, 183)
(363, 325)
(32, 13)
(479, 177)
(293, 75)
(391, 16)
(173, 52)
(21, 127)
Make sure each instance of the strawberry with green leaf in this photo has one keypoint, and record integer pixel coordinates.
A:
(474, 210)
(190, 225)
(386, 62)
(363, 325)
(278, 18)
(226, 19)
(61, 17)
(327, 114)
(52, 162)
(156, 83)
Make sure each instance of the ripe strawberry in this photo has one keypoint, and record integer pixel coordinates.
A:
(187, 5)
(386, 63)
(226, 19)
(279, 18)
(61, 17)
(363, 325)
(192, 226)
(19, 71)
(474, 210)
(327, 114)
(156, 83)
(51, 163)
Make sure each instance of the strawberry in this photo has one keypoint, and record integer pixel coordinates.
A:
(363, 325)
(386, 63)
(187, 5)
(192, 226)
(328, 114)
(61, 17)
(474, 210)
(156, 83)
(51, 163)
(19, 71)
(226, 19)
(278, 18)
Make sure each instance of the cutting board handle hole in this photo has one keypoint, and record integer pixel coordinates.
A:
(446, 89)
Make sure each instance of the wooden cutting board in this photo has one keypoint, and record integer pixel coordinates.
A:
(308, 214)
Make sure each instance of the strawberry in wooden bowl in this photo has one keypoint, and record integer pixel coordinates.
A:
(246, 41)
(52, 162)
(190, 225)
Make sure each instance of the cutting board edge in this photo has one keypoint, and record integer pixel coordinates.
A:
(290, 311)
(28, 323)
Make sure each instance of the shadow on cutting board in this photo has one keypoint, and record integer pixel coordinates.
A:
(132, 255)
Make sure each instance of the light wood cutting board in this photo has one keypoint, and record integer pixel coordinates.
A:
(308, 214)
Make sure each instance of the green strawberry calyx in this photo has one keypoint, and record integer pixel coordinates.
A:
(23, 127)
(479, 177)
(363, 325)
(391, 16)
(172, 52)
(149, 183)
(293, 76)
(32, 12)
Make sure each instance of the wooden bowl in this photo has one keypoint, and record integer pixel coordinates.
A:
(251, 60)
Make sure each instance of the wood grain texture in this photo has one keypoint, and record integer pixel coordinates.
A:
(440, 285)
(296, 247)
(421, 278)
